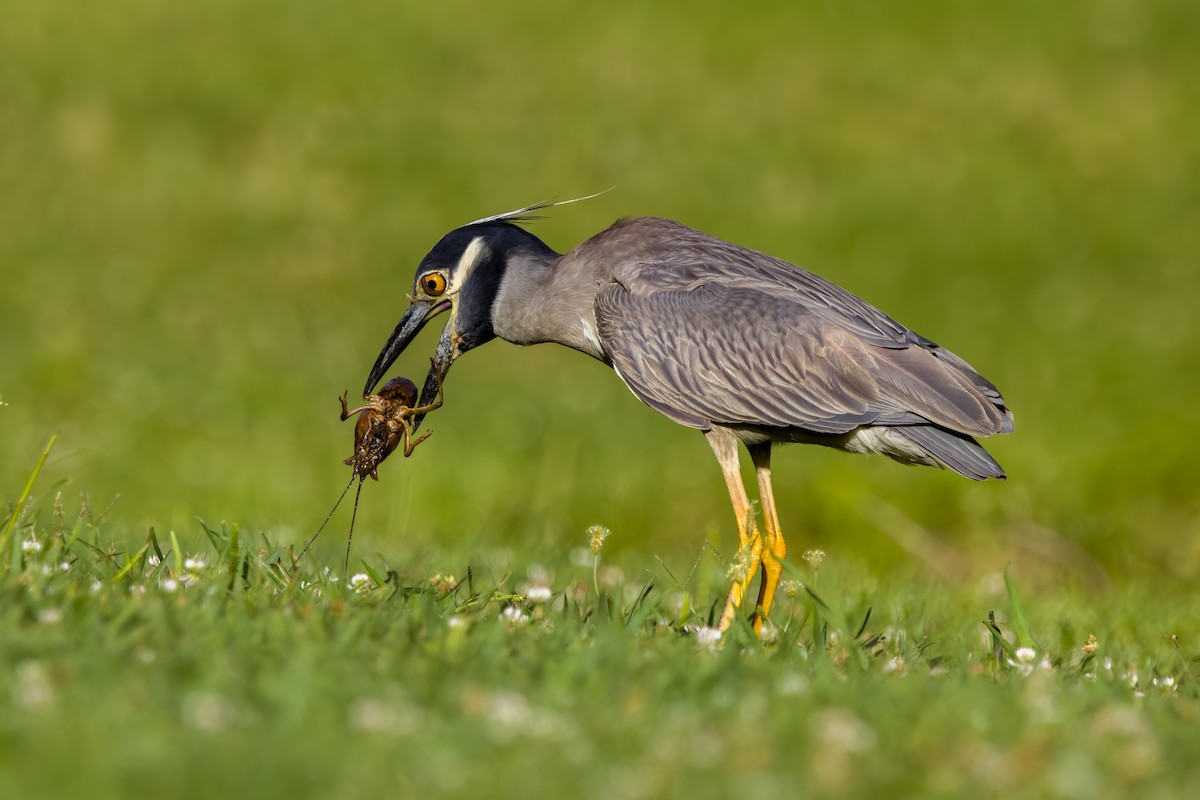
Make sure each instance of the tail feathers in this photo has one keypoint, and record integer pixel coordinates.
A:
(957, 451)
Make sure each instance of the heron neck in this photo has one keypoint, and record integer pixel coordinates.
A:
(542, 299)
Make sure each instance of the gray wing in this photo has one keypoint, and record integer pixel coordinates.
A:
(664, 255)
(706, 348)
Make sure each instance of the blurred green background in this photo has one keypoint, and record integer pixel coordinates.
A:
(210, 214)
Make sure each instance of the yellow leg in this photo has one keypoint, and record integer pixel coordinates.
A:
(724, 445)
(774, 549)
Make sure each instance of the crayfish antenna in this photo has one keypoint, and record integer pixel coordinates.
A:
(329, 516)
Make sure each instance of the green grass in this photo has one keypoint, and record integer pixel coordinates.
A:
(230, 671)
(210, 217)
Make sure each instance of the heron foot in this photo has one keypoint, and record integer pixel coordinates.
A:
(745, 564)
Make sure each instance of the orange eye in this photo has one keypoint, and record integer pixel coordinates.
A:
(433, 283)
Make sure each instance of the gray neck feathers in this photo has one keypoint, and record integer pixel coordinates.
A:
(548, 298)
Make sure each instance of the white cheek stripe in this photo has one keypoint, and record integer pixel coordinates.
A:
(476, 252)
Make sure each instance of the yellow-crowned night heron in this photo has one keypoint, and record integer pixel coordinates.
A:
(735, 343)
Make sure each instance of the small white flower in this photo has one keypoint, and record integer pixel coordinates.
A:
(514, 615)
(31, 546)
(610, 577)
(96, 586)
(194, 564)
(64, 567)
(793, 684)
(208, 711)
(814, 558)
(153, 561)
(359, 581)
(137, 589)
(1026, 655)
(709, 637)
(538, 594)
(169, 585)
(50, 616)
(539, 574)
(372, 714)
(456, 623)
(33, 687)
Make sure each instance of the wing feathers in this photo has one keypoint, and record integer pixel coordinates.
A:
(718, 355)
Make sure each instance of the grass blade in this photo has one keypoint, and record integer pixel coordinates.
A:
(133, 562)
(234, 556)
(33, 476)
(176, 553)
(999, 643)
(1020, 622)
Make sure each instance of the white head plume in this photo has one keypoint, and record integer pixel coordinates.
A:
(525, 214)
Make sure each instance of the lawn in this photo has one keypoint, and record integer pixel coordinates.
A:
(211, 216)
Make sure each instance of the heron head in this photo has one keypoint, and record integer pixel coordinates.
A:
(461, 275)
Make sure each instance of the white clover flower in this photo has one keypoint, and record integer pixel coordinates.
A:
(372, 714)
(792, 684)
(153, 560)
(64, 567)
(208, 711)
(31, 546)
(611, 576)
(96, 586)
(194, 564)
(769, 633)
(32, 687)
(168, 585)
(514, 615)
(360, 581)
(709, 637)
(538, 594)
(1026, 655)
